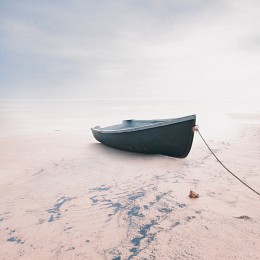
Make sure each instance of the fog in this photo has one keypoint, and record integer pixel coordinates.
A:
(167, 49)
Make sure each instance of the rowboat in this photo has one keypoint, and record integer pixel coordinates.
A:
(170, 137)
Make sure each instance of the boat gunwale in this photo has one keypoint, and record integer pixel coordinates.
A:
(162, 122)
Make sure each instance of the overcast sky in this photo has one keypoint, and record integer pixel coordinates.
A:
(130, 49)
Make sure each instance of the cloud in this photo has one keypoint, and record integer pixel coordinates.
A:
(130, 49)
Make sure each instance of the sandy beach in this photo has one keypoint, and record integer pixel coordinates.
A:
(63, 195)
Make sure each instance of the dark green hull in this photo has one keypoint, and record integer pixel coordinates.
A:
(171, 137)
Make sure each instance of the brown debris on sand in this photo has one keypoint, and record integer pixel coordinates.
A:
(193, 194)
(243, 217)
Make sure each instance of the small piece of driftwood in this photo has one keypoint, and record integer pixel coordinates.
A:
(243, 217)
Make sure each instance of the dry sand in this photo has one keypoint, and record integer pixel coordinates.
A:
(65, 196)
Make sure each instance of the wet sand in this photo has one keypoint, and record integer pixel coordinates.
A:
(65, 196)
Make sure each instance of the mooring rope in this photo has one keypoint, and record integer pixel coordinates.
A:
(196, 128)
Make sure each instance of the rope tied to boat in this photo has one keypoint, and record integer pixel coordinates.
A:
(196, 129)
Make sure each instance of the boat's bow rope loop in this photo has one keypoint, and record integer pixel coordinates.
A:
(196, 129)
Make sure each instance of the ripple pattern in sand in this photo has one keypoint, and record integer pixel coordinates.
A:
(142, 213)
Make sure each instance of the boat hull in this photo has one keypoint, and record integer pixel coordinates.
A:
(170, 139)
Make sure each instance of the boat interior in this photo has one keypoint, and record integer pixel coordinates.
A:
(131, 124)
